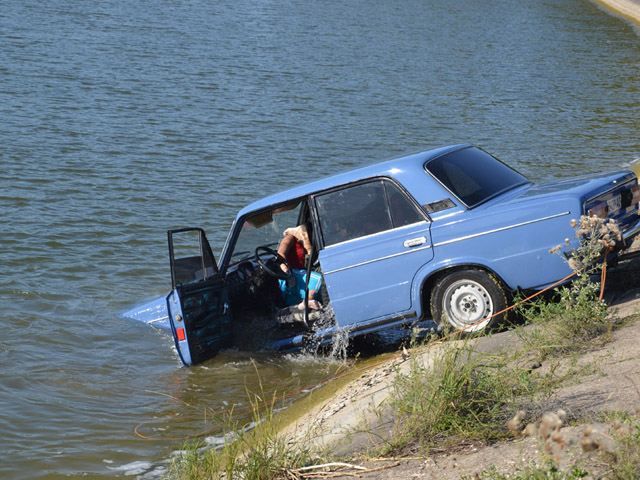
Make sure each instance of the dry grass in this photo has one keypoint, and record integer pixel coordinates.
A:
(545, 472)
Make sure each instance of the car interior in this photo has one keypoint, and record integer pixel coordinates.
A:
(258, 286)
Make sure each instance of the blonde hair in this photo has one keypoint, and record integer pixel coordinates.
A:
(301, 234)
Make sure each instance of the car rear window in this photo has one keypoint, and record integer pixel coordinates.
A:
(473, 175)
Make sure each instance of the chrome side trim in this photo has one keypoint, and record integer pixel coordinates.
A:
(367, 262)
(397, 229)
(474, 235)
(156, 320)
(447, 242)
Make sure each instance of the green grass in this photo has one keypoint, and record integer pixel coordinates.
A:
(459, 396)
(575, 322)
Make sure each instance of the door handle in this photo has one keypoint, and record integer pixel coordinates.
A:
(414, 242)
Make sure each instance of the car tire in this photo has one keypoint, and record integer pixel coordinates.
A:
(467, 300)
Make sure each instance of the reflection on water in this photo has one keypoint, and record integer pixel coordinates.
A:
(121, 120)
(201, 409)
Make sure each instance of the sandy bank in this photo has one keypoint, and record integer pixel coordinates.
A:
(627, 9)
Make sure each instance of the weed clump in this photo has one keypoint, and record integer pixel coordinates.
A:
(578, 316)
(624, 461)
(568, 325)
(610, 450)
(459, 396)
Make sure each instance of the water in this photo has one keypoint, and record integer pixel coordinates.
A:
(119, 120)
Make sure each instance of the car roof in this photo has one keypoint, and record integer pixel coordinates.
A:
(387, 168)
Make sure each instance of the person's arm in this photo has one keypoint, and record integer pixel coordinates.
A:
(285, 244)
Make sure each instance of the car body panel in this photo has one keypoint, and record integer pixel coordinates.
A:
(361, 272)
(513, 243)
(200, 319)
(153, 313)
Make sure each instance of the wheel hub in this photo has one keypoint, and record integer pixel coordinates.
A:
(468, 305)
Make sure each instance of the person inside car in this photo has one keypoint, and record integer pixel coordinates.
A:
(295, 247)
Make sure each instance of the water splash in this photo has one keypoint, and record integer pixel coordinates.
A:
(315, 348)
(340, 345)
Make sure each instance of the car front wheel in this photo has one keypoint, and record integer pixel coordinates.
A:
(468, 300)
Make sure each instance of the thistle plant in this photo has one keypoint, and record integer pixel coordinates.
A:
(579, 316)
(597, 236)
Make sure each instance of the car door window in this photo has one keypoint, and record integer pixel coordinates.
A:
(264, 228)
(403, 211)
(353, 212)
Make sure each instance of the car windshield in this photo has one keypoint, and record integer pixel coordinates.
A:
(264, 228)
(473, 175)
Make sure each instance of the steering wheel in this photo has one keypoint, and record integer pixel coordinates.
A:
(275, 258)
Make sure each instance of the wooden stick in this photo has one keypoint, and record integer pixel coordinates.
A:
(394, 459)
(329, 465)
(330, 474)
(384, 467)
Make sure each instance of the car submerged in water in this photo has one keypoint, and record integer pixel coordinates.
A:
(447, 234)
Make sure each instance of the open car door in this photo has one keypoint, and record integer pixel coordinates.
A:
(198, 305)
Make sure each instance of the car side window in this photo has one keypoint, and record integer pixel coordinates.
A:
(403, 211)
(353, 212)
(364, 209)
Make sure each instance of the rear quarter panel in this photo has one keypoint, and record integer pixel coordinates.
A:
(511, 240)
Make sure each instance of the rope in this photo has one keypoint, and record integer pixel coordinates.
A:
(531, 297)
(603, 279)
(603, 274)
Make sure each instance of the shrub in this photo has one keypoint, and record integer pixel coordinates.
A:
(459, 396)
(578, 316)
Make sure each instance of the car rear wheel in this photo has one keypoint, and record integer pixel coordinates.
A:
(468, 300)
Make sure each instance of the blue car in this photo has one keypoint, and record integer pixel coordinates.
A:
(447, 234)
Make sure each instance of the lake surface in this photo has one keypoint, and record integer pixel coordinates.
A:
(119, 120)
